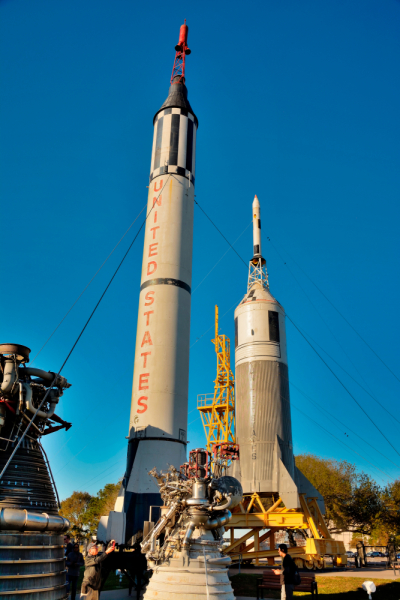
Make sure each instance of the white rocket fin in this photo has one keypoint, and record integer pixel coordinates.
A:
(112, 527)
(307, 488)
(287, 488)
(282, 480)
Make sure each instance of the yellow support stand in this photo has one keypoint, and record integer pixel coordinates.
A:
(251, 514)
(218, 411)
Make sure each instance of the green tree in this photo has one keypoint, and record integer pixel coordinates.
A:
(391, 517)
(102, 504)
(353, 500)
(75, 510)
(84, 511)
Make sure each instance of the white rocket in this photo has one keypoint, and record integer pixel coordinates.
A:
(263, 420)
(158, 421)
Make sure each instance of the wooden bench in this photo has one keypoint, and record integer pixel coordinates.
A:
(273, 582)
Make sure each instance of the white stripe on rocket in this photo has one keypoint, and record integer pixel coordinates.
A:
(153, 152)
(194, 149)
(166, 139)
(183, 125)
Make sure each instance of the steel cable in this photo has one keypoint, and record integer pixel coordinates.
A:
(341, 314)
(80, 335)
(325, 363)
(84, 290)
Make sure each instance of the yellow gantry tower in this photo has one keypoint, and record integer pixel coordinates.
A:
(218, 411)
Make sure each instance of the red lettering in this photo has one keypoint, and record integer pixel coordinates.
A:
(151, 267)
(153, 249)
(155, 186)
(148, 313)
(143, 406)
(144, 378)
(155, 216)
(154, 234)
(157, 200)
(145, 354)
(146, 339)
(149, 298)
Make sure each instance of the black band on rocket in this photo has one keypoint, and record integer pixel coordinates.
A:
(166, 281)
(161, 439)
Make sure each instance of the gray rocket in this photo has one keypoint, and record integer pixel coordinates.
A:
(158, 421)
(263, 419)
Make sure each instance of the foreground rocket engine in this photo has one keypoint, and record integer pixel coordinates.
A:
(31, 541)
(184, 547)
(263, 420)
(158, 422)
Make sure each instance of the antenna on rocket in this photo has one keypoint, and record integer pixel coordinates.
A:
(178, 70)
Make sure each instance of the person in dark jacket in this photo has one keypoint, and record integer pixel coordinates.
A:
(287, 573)
(91, 583)
(74, 562)
(67, 545)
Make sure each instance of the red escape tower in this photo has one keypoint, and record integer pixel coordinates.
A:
(178, 70)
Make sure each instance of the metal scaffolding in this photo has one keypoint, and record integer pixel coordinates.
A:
(218, 410)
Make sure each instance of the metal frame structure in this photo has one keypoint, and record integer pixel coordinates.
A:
(258, 273)
(218, 411)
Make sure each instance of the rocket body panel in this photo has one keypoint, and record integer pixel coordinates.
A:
(161, 371)
(263, 417)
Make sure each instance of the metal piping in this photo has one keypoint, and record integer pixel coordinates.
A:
(188, 534)
(223, 506)
(39, 373)
(9, 375)
(157, 530)
(54, 378)
(218, 521)
(22, 520)
(31, 408)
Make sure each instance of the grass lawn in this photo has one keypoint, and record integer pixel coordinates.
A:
(331, 588)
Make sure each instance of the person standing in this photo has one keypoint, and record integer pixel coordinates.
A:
(287, 573)
(74, 562)
(91, 583)
(68, 545)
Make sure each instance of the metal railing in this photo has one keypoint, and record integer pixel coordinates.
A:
(204, 400)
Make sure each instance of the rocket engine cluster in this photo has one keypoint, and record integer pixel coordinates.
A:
(31, 530)
(184, 547)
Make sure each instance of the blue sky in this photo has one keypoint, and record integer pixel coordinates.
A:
(297, 103)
